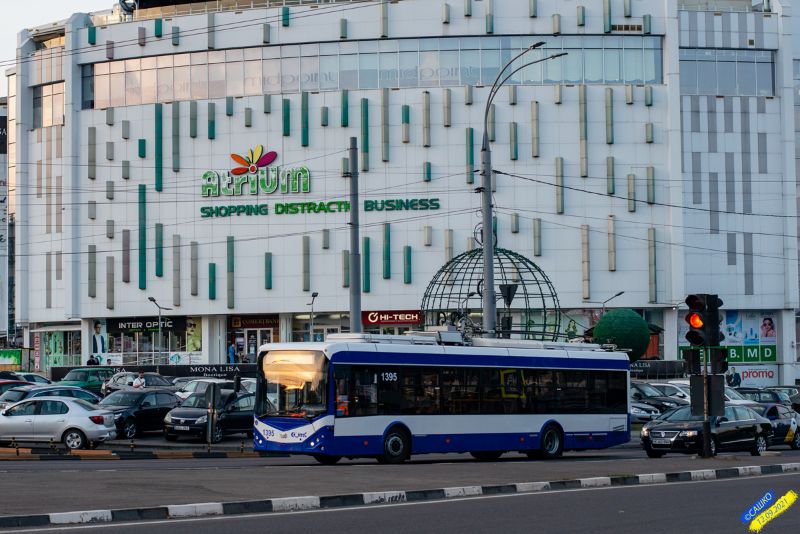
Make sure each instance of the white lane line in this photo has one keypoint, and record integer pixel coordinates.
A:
(143, 524)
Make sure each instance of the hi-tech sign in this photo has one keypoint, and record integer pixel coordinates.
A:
(255, 175)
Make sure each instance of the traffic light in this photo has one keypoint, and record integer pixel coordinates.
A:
(719, 361)
(704, 320)
(691, 361)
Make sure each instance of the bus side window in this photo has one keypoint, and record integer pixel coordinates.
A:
(341, 377)
(388, 391)
(365, 380)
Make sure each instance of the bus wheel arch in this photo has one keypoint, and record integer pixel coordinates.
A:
(396, 444)
(551, 441)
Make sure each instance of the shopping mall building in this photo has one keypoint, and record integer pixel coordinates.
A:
(194, 153)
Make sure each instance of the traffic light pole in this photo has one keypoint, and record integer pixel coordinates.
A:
(706, 421)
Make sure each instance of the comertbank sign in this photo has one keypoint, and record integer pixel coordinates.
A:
(255, 176)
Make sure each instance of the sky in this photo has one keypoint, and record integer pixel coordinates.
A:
(19, 14)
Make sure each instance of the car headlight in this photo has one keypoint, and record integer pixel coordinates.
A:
(638, 411)
(689, 433)
(202, 419)
(670, 404)
(168, 418)
(645, 432)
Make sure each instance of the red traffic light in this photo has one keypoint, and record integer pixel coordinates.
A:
(695, 320)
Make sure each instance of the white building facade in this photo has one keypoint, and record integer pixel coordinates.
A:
(194, 153)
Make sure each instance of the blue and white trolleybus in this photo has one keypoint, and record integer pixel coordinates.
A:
(388, 397)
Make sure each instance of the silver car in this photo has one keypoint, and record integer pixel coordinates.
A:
(74, 422)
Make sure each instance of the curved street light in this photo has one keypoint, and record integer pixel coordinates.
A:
(489, 296)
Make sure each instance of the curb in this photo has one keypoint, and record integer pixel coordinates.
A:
(295, 504)
(127, 455)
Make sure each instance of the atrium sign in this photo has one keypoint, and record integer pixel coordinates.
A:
(255, 175)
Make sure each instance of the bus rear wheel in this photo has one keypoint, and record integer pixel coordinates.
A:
(486, 456)
(396, 447)
(325, 459)
(552, 443)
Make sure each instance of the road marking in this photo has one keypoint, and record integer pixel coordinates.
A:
(140, 524)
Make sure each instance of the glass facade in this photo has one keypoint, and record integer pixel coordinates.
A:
(727, 72)
(48, 105)
(368, 65)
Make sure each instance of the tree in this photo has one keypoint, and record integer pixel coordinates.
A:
(626, 329)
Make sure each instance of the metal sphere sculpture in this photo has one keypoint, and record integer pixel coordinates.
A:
(454, 297)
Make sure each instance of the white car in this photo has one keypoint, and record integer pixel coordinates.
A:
(732, 396)
(678, 391)
(200, 385)
(74, 422)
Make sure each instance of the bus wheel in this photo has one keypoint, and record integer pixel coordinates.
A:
(324, 459)
(486, 456)
(552, 442)
(396, 447)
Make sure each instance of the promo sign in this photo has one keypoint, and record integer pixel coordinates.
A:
(754, 376)
(378, 318)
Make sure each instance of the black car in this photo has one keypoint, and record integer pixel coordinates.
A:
(785, 424)
(27, 391)
(740, 429)
(792, 391)
(33, 378)
(138, 411)
(234, 416)
(647, 394)
(765, 396)
(124, 382)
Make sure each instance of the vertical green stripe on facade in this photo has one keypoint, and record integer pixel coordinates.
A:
(387, 251)
(192, 119)
(323, 116)
(212, 281)
(91, 35)
(285, 16)
(407, 264)
(426, 171)
(176, 36)
(365, 274)
(651, 185)
(142, 236)
(158, 27)
(406, 114)
(268, 270)
(142, 148)
(345, 268)
(230, 278)
(229, 106)
(610, 186)
(306, 263)
(159, 249)
(286, 108)
(609, 116)
(606, 16)
(537, 237)
(631, 192)
(345, 109)
(470, 152)
(176, 137)
(559, 185)
(304, 118)
(267, 103)
(212, 120)
(364, 134)
(159, 152)
(513, 145)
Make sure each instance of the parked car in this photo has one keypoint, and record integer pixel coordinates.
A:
(784, 424)
(9, 375)
(643, 413)
(765, 396)
(677, 391)
(139, 411)
(234, 416)
(33, 378)
(181, 381)
(5, 385)
(74, 422)
(88, 378)
(793, 392)
(647, 394)
(731, 395)
(124, 381)
(249, 385)
(29, 391)
(199, 385)
(740, 429)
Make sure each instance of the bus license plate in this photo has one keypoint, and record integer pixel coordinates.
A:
(183, 428)
(661, 442)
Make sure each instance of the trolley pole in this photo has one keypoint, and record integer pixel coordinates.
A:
(355, 248)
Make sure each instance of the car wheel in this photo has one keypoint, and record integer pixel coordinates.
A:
(325, 459)
(486, 456)
(396, 447)
(74, 439)
(795, 444)
(759, 445)
(130, 430)
(552, 445)
(713, 446)
(216, 436)
(653, 454)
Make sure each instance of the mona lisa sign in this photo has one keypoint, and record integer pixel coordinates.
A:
(255, 175)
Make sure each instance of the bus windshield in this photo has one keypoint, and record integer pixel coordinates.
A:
(296, 383)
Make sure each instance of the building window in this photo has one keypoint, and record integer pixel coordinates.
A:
(48, 105)
(727, 72)
(444, 62)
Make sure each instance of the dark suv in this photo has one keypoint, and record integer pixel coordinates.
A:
(765, 396)
(124, 382)
(138, 411)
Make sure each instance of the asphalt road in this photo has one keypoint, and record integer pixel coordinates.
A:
(710, 507)
(50, 486)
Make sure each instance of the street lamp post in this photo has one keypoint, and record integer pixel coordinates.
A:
(489, 298)
(609, 299)
(160, 338)
(314, 296)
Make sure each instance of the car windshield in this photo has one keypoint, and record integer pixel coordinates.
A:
(12, 395)
(733, 394)
(301, 381)
(121, 398)
(194, 401)
(760, 410)
(681, 414)
(783, 396)
(77, 376)
(648, 391)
